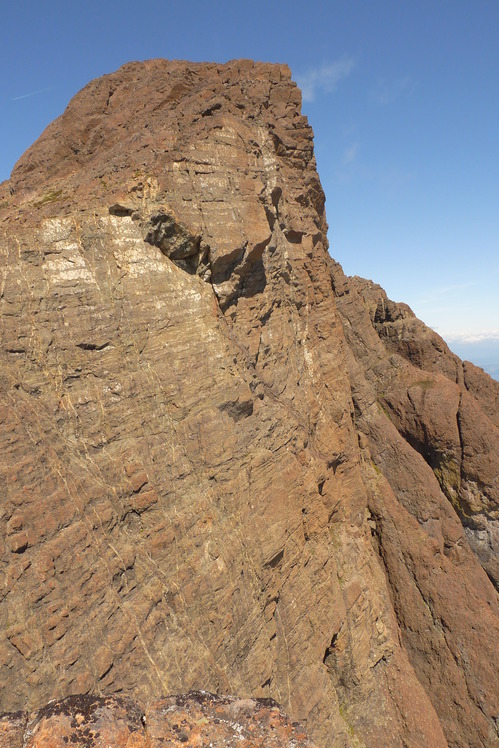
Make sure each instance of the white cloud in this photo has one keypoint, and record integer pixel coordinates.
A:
(472, 337)
(325, 78)
(436, 293)
(350, 154)
(33, 93)
(386, 92)
(394, 178)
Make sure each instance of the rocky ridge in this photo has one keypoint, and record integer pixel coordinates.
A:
(226, 465)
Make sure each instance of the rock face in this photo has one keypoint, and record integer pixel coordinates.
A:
(225, 465)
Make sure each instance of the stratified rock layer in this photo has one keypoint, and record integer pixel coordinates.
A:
(226, 466)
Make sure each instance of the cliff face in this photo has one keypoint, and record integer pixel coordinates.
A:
(225, 465)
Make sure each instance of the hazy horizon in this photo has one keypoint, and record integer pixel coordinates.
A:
(482, 353)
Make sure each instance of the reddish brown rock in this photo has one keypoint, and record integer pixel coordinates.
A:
(12, 729)
(203, 719)
(196, 719)
(79, 721)
(425, 429)
(226, 465)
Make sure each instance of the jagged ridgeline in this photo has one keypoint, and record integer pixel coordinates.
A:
(225, 465)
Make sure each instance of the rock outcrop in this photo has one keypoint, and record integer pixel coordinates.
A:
(190, 721)
(226, 466)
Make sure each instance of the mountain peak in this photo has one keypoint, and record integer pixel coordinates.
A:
(227, 466)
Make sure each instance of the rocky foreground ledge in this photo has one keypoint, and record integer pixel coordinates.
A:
(196, 719)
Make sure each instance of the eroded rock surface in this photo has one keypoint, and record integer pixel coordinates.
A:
(225, 465)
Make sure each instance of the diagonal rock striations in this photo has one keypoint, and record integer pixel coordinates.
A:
(226, 466)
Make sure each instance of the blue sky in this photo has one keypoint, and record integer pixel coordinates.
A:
(403, 97)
